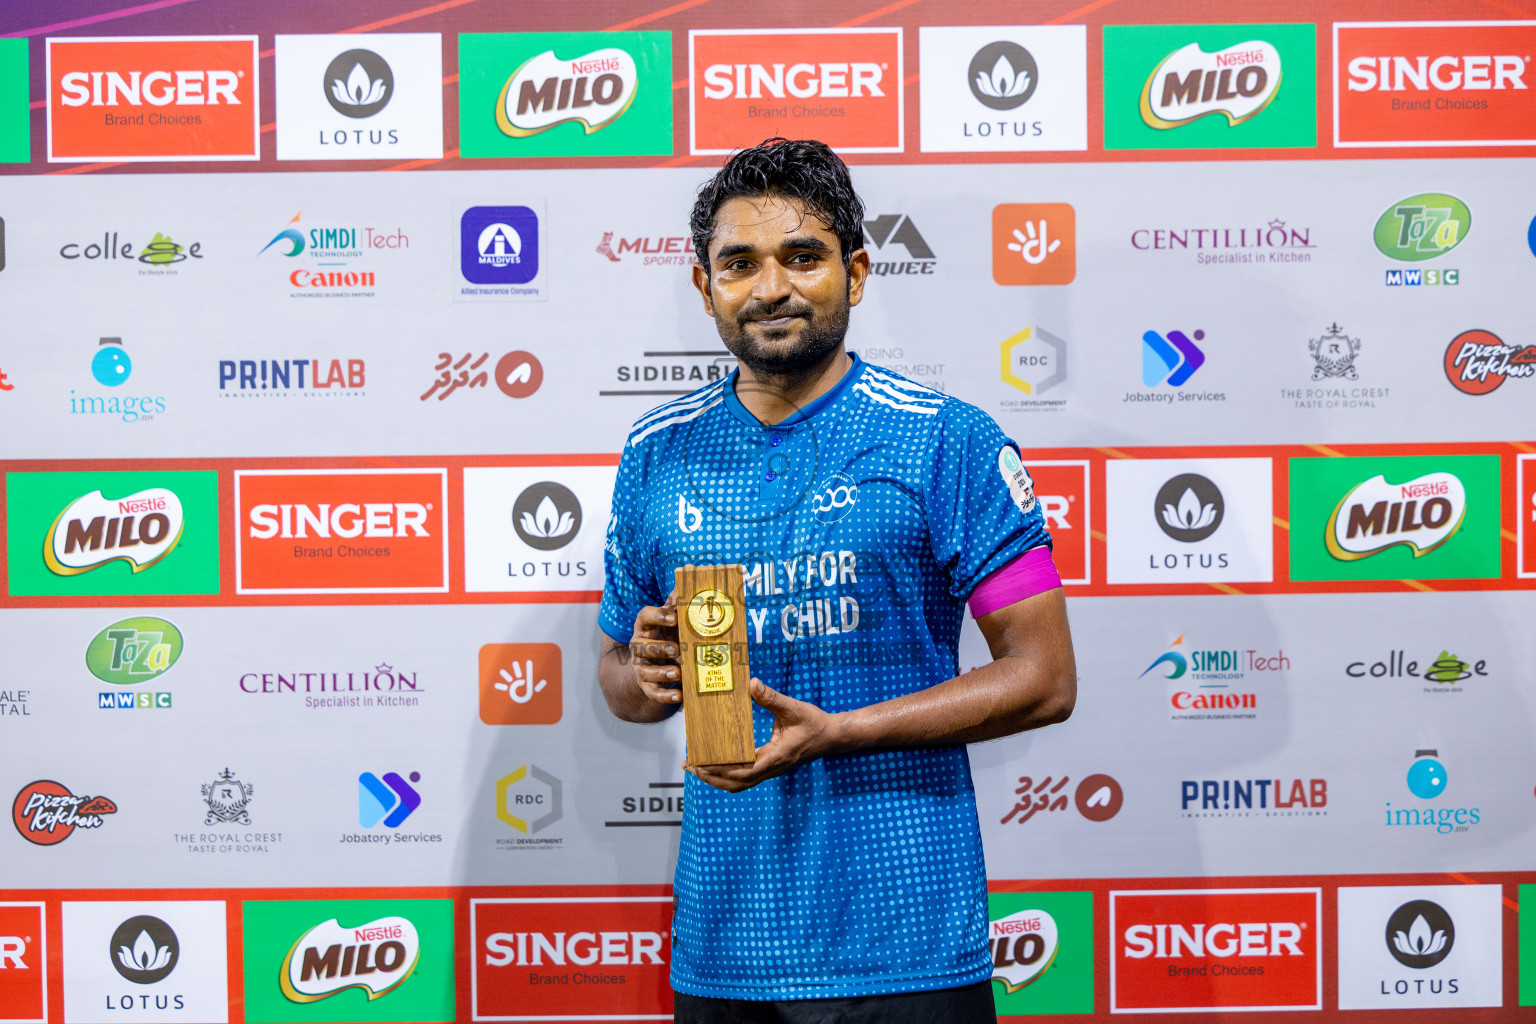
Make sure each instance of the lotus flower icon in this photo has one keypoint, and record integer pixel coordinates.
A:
(1003, 75)
(1190, 514)
(1003, 82)
(1420, 940)
(358, 90)
(145, 955)
(547, 521)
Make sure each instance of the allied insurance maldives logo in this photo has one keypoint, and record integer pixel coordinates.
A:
(189, 98)
(840, 85)
(361, 531)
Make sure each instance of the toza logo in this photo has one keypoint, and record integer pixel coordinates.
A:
(359, 83)
(93, 530)
(593, 90)
(375, 957)
(1373, 516)
(1237, 82)
(1422, 227)
(133, 651)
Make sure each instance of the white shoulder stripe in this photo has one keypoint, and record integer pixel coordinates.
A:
(903, 396)
(902, 384)
(672, 421)
(682, 404)
(926, 410)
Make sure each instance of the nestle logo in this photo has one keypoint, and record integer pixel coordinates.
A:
(376, 934)
(1228, 60)
(588, 67)
(1425, 490)
(140, 505)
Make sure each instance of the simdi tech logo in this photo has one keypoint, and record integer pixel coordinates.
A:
(1008, 89)
(23, 963)
(840, 85)
(138, 532)
(341, 531)
(1210, 86)
(1042, 952)
(375, 96)
(348, 960)
(153, 98)
(537, 94)
(1434, 83)
(1395, 517)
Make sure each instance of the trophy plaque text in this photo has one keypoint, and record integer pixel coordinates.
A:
(712, 635)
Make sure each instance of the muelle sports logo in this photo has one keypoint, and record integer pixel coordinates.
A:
(1477, 362)
(1238, 82)
(1421, 514)
(593, 90)
(376, 957)
(46, 812)
(91, 531)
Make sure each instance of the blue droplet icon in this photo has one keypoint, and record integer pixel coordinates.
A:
(111, 366)
(1426, 778)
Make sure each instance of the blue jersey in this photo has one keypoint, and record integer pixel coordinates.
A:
(862, 523)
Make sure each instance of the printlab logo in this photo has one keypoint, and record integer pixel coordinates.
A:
(1170, 360)
(898, 229)
(529, 800)
(520, 684)
(1098, 797)
(517, 374)
(1253, 798)
(280, 378)
(359, 83)
(831, 502)
(1420, 934)
(1419, 228)
(227, 799)
(1034, 243)
(1427, 779)
(1034, 360)
(46, 812)
(1477, 362)
(390, 799)
(547, 516)
(1189, 508)
(145, 950)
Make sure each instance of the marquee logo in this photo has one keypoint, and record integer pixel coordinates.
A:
(1422, 227)
(1373, 516)
(898, 229)
(134, 651)
(1237, 82)
(840, 85)
(93, 530)
(376, 957)
(593, 90)
(46, 812)
(168, 98)
(1477, 362)
(341, 531)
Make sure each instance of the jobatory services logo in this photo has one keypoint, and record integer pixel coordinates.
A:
(386, 800)
(1427, 780)
(840, 85)
(1433, 83)
(1209, 86)
(1190, 520)
(1007, 89)
(360, 97)
(1478, 361)
(541, 94)
(890, 230)
(529, 799)
(23, 957)
(357, 960)
(1034, 243)
(47, 813)
(1198, 950)
(1042, 952)
(499, 249)
(154, 961)
(520, 684)
(556, 958)
(1395, 517)
(15, 120)
(343, 531)
(1403, 946)
(1097, 797)
(111, 368)
(535, 528)
(153, 98)
(293, 378)
(76, 534)
(1170, 359)
(1419, 228)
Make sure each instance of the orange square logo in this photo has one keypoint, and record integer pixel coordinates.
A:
(23, 963)
(361, 531)
(520, 684)
(1034, 243)
(1062, 490)
(153, 98)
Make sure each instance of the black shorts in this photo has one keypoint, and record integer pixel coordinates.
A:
(969, 1005)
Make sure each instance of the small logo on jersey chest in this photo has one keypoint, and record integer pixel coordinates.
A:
(1017, 478)
(834, 498)
(689, 516)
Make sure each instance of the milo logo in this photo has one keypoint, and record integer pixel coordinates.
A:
(139, 529)
(133, 651)
(1023, 945)
(1237, 82)
(375, 957)
(1373, 516)
(592, 90)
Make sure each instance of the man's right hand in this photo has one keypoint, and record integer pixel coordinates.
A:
(654, 647)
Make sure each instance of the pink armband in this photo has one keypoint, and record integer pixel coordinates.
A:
(1031, 573)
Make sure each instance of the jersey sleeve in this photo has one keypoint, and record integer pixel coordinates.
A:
(628, 583)
(981, 507)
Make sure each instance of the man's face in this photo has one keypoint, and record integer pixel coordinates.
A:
(777, 286)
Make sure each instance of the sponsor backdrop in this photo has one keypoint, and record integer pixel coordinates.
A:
(306, 477)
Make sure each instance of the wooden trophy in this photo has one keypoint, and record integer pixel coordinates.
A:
(712, 646)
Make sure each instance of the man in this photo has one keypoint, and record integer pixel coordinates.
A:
(838, 877)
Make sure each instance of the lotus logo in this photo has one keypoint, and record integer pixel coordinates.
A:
(547, 516)
(1189, 508)
(359, 83)
(144, 949)
(593, 90)
(140, 529)
(1420, 934)
(1237, 82)
(1003, 75)
(1421, 514)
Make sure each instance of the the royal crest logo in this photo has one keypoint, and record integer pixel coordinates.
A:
(1422, 514)
(375, 957)
(1237, 82)
(594, 89)
(46, 812)
(1334, 354)
(227, 797)
(93, 530)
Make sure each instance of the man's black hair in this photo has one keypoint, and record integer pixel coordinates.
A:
(803, 170)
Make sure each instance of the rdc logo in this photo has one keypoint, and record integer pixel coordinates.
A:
(835, 498)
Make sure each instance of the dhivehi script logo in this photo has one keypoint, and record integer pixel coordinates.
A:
(1189, 83)
(140, 529)
(375, 957)
(1423, 514)
(1023, 945)
(545, 90)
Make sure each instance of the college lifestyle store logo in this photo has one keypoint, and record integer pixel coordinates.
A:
(842, 86)
(1003, 90)
(1405, 947)
(1097, 797)
(603, 956)
(1418, 228)
(24, 961)
(520, 684)
(1477, 362)
(517, 374)
(1034, 243)
(166, 98)
(1199, 950)
(1042, 952)
(359, 97)
(1433, 83)
(1209, 86)
(1445, 671)
(156, 258)
(1427, 780)
(46, 812)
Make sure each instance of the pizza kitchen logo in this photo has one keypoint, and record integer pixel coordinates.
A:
(1477, 362)
(328, 959)
(47, 813)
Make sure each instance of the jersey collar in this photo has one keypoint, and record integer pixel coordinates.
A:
(794, 419)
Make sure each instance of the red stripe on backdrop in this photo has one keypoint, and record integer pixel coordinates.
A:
(96, 19)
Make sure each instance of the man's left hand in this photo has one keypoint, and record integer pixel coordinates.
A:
(801, 732)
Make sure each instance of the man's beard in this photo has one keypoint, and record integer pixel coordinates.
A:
(770, 356)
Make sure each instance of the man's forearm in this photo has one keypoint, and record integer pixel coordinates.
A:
(621, 687)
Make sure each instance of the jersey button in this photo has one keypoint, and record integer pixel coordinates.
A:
(776, 440)
(769, 475)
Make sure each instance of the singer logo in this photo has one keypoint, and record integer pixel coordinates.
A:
(1196, 950)
(1451, 83)
(153, 98)
(842, 86)
(1034, 243)
(520, 684)
(375, 957)
(555, 959)
(23, 963)
(1062, 491)
(341, 531)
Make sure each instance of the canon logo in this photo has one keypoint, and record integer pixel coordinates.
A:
(533, 949)
(370, 519)
(802, 81)
(157, 88)
(1447, 74)
(1172, 941)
